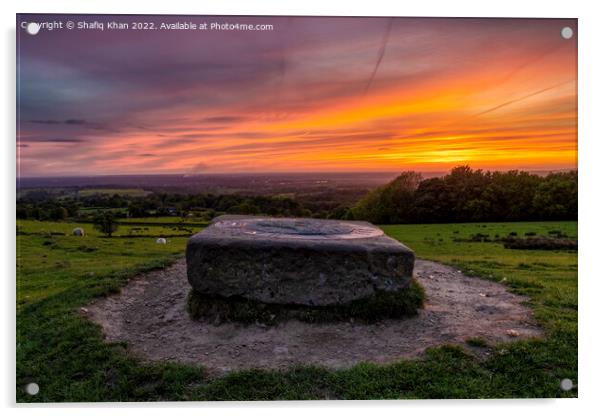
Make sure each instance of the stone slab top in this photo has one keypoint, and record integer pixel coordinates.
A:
(296, 232)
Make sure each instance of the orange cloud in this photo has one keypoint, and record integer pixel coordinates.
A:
(504, 100)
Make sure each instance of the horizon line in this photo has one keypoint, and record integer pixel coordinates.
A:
(293, 173)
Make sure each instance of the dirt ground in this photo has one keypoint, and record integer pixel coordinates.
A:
(150, 316)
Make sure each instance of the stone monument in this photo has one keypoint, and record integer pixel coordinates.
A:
(296, 261)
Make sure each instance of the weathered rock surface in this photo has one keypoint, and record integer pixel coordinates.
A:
(296, 260)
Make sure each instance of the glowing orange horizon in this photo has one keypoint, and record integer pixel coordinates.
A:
(517, 112)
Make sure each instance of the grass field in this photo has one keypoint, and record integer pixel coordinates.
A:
(90, 211)
(51, 260)
(165, 221)
(161, 220)
(64, 353)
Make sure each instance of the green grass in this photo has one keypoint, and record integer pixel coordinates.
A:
(162, 220)
(90, 211)
(50, 260)
(65, 354)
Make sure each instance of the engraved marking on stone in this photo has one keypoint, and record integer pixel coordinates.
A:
(298, 229)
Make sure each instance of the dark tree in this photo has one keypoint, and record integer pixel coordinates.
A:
(244, 208)
(136, 210)
(556, 197)
(392, 203)
(105, 223)
(21, 212)
(59, 213)
(471, 195)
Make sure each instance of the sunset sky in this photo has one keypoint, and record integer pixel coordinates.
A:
(312, 95)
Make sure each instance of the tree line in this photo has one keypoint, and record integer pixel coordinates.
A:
(463, 195)
(467, 195)
(44, 206)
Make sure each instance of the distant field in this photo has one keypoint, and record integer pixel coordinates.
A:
(164, 220)
(113, 191)
(435, 242)
(124, 229)
(95, 210)
(66, 355)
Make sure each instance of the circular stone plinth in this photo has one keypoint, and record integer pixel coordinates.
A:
(296, 228)
(296, 261)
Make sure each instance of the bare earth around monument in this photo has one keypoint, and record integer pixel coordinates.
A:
(253, 258)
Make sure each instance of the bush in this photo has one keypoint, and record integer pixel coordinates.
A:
(540, 243)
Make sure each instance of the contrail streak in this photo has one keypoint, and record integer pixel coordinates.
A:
(381, 54)
(524, 97)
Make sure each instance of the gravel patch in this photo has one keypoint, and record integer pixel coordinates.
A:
(150, 316)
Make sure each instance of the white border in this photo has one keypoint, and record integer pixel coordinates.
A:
(590, 137)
